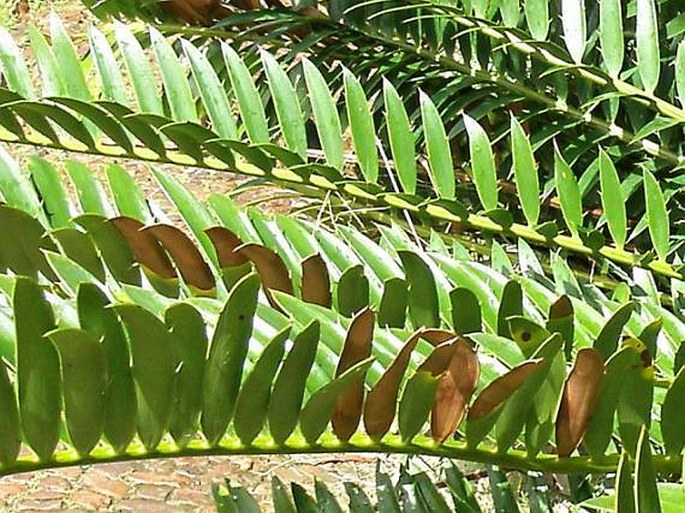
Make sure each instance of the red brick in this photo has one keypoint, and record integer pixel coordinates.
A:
(10, 490)
(142, 506)
(34, 505)
(154, 492)
(89, 500)
(55, 483)
(191, 496)
(156, 478)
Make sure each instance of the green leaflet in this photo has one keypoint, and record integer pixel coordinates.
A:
(462, 491)
(189, 332)
(113, 88)
(50, 75)
(516, 410)
(226, 359)
(657, 215)
(67, 60)
(466, 314)
(646, 494)
(607, 340)
(353, 291)
(680, 72)
(416, 403)
(282, 502)
(430, 495)
(212, 93)
(97, 318)
(424, 309)
(325, 115)
(56, 202)
(16, 190)
(575, 27)
(253, 400)
(139, 71)
(319, 409)
(613, 201)
(10, 425)
(393, 306)
(625, 498)
(525, 170)
(287, 106)
(84, 380)
(388, 501)
(647, 39)
(79, 247)
(127, 194)
(602, 424)
(537, 18)
(401, 138)
(249, 100)
(482, 163)
(362, 127)
(288, 390)
(438, 149)
(325, 498)
(673, 415)
(511, 303)
(569, 193)
(92, 197)
(153, 371)
(14, 67)
(611, 35)
(38, 369)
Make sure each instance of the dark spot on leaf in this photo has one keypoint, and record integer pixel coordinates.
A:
(646, 358)
(241, 317)
(526, 336)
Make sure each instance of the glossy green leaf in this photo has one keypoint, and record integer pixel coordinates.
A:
(326, 499)
(438, 149)
(14, 67)
(424, 309)
(91, 195)
(139, 71)
(511, 303)
(188, 330)
(611, 35)
(461, 490)
(287, 106)
(537, 18)
(51, 188)
(176, 87)
(416, 403)
(227, 353)
(96, 317)
(15, 188)
(325, 115)
(353, 291)
(38, 370)
(525, 171)
(53, 83)
(613, 202)
(569, 193)
(153, 371)
(607, 340)
(288, 390)
(362, 127)
(253, 401)
(249, 100)
(67, 60)
(127, 194)
(109, 72)
(282, 502)
(601, 426)
(680, 72)
(401, 138)
(482, 163)
(10, 424)
(212, 93)
(84, 383)
(646, 493)
(466, 313)
(319, 409)
(575, 27)
(647, 41)
(657, 215)
(392, 311)
(673, 415)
